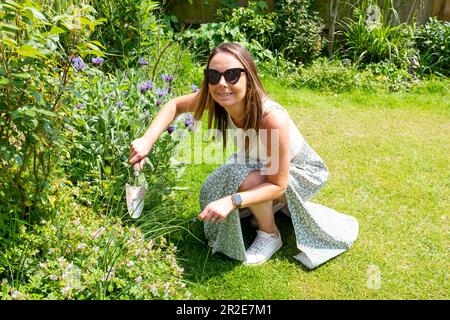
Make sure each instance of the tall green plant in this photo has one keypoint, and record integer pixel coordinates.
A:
(299, 30)
(40, 55)
(371, 37)
(433, 42)
(129, 26)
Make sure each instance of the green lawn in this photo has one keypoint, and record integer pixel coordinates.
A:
(388, 156)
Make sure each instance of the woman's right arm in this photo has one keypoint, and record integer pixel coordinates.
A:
(141, 147)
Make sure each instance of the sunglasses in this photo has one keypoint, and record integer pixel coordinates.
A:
(231, 75)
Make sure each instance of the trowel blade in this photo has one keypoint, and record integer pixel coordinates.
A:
(135, 200)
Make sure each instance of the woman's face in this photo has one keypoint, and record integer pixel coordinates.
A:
(224, 93)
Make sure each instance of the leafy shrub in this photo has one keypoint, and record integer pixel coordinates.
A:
(108, 113)
(298, 32)
(128, 25)
(253, 21)
(280, 68)
(82, 255)
(377, 41)
(40, 56)
(389, 76)
(433, 42)
(330, 75)
(340, 76)
(210, 35)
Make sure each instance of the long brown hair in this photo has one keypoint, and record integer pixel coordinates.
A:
(253, 109)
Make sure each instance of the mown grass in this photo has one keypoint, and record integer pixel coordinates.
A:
(388, 156)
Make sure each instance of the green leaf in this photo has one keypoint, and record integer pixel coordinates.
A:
(98, 44)
(29, 112)
(21, 75)
(4, 81)
(29, 51)
(8, 27)
(34, 122)
(56, 30)
(9, 4)
(45, 112)
(9, 42)
(85, 21)
(36, 13)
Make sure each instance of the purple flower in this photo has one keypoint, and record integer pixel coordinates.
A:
(120, 104)
(189, 121)
(194, 88)
(125, 92)
(142, 62)
(97, 61)
(170, 129)
(144, 87)
(79, 106)
(167, 77)
(158, 102)
(161, 92)
(78, 63)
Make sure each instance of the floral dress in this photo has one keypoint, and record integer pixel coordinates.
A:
(321, 233)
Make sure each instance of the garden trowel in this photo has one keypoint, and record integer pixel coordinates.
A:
(135, 193)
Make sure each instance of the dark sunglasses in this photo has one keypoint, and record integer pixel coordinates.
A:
(231, 75)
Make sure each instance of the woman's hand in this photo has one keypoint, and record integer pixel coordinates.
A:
(217, 210)
(139, 149)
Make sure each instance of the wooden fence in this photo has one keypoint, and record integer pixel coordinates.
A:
(200, 11)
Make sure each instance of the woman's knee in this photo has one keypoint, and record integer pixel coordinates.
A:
(255, 178)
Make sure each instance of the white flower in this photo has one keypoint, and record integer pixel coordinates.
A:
(81, 246)
(138, 279)
(109, 275)
(53, 277)
(16, 295)
(130, 263)
(98, 233)
(66, 290)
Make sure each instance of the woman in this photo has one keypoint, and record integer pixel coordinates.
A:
(284, 171)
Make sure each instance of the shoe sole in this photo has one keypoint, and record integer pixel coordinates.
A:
(263, 261)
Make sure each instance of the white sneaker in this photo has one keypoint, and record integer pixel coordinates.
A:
(264, 246)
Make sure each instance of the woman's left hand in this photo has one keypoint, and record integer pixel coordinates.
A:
(217, 210)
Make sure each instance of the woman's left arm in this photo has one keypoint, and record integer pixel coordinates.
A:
(276, 124)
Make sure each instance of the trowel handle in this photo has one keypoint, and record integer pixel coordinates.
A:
(136, 168)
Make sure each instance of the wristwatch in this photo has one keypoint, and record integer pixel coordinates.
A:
(237, 200)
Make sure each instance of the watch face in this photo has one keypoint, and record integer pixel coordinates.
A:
(237, 200)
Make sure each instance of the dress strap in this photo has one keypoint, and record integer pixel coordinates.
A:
(270, 106)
